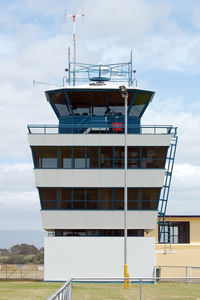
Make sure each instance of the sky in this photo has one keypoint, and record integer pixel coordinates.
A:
(34, 37)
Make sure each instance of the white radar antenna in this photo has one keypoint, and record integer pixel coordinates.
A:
(73, 16)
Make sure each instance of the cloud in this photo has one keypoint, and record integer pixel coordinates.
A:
(19, 200)
(17, 177)
(34, 40)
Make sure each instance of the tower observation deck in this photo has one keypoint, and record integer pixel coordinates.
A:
(79, 169)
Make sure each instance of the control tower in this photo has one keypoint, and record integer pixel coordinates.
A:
(79, 172)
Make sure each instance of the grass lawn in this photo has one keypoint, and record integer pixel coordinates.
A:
(25, 290)
(159, 291)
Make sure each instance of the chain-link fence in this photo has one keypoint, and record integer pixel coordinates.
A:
(22, 272)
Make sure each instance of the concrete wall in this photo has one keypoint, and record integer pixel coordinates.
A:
(99, 139)
(97, 219)
(98, 178)
(97, 257)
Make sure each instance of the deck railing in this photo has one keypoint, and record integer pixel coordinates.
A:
(64, 293)
(115, 128)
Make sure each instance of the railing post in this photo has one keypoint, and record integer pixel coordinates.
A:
(140, 289)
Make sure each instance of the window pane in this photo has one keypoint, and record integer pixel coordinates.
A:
(139, 103)
(49, 204)
(119, 194)
(79, 157)
(106, 194)
(133, 193)
(153, 157)
(184, 232)
(65, 204)
(119, 157)
(92, 157)
(77, 204)
(79, 194)
(106, 204)
(150, 193)
(92, 194)
(92, 198)
(45, 157)
(133, 157)
(99, 103)
(154, 152)
(150, 205)
(133, 198)
(48, 193)
(65, 194)
(65, 198)
(61, 104)
(118, 204)
(66, 157)
(135, 232)
(133, 204)
(106, 157)
(106, 198)
(92, 204)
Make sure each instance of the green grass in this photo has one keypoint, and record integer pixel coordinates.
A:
(21, 290)
(25, 290)
(159, 291)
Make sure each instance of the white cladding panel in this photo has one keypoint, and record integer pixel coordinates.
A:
(99, 139)
(67, 257)
(85, 219)
(98, 177)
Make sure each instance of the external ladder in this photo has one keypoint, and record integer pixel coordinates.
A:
(164, 194)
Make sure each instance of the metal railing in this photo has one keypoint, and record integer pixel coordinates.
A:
(179, 271)
(139, 292)
(64, 293)
(100, 128)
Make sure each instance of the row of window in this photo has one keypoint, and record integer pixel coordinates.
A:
(98, 157)
(98, 198)
(98, 232)
(98, 103)
(175, 232)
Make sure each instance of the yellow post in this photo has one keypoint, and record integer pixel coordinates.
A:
(125, 276)
(129, 281)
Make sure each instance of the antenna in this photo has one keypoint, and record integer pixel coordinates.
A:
(74, 39)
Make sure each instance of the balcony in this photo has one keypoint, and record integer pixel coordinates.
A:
(101, 128)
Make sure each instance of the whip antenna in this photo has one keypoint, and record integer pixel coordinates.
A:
(73, 16)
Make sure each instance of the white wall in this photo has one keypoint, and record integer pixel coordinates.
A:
(67, 257)
(98, 177)
(99, 139)
(95, 219)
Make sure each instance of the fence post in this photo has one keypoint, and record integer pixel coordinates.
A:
(186, 274)
(140, 289)
(21, 272)
(6, 272)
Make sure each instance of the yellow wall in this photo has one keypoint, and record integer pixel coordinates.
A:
(179, 254)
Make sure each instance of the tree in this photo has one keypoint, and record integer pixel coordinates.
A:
(24, 249)
(4, 252)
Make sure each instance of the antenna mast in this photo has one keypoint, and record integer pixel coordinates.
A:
(74, 41)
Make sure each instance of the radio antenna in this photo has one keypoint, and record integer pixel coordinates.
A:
(73, 16)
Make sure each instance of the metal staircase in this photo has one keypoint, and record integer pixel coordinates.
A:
(164, 194)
